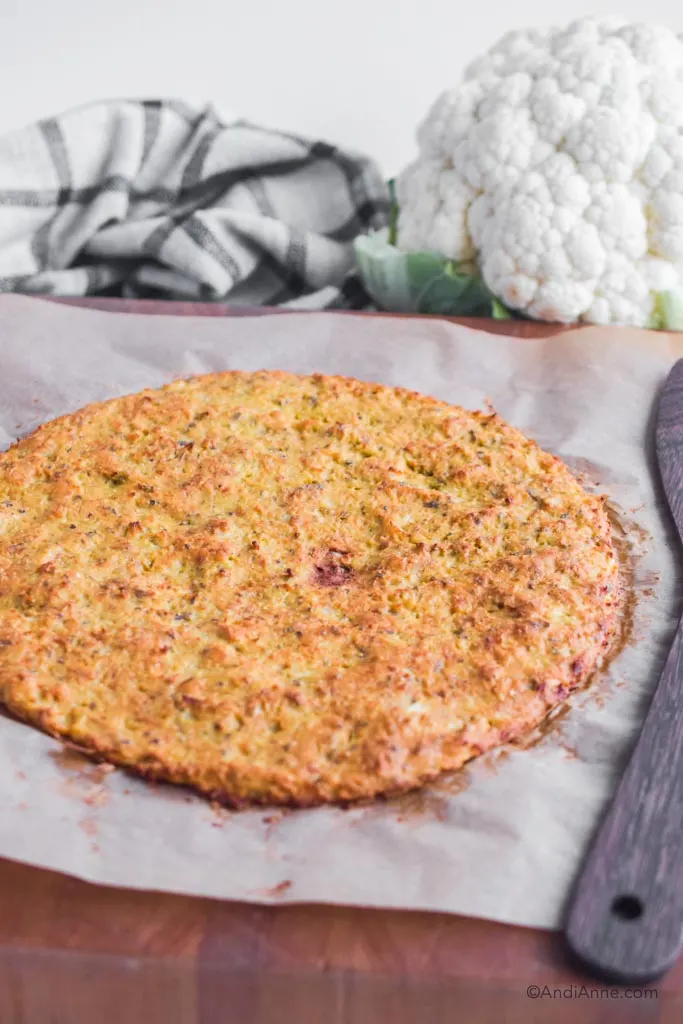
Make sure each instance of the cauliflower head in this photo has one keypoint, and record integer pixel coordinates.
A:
(557, 166)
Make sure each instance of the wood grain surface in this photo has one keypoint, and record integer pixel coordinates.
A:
(74, 953)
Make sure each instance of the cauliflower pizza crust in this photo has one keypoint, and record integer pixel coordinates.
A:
(291, 590)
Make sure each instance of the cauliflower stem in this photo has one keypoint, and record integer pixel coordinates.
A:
(423, 282)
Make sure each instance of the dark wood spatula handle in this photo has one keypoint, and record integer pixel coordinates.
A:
(626, 914)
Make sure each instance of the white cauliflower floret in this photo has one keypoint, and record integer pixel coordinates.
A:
(439, 211)
(558, 166)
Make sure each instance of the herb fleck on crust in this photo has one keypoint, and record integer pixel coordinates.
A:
(291, 590)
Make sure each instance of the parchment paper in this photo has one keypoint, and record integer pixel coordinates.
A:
(503, 841)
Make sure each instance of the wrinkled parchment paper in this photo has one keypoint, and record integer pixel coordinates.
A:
(505, 839)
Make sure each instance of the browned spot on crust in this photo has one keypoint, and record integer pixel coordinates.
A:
(333, 570)
(545, 727)
(332, 575)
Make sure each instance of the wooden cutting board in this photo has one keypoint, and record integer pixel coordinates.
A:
(74, 953)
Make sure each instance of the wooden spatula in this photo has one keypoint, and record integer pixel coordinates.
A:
(626, 915)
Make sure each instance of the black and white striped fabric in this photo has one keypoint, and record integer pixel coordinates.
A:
(156, 199)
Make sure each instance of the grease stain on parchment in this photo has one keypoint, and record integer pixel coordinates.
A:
(89, 827)
(82, 776)
(84, 780)
(276, 891)
(220, 815)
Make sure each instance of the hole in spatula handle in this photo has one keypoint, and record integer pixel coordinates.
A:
(627, 907)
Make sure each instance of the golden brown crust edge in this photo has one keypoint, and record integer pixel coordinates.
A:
(228, 798)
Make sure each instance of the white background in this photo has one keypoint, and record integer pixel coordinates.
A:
(357, 72)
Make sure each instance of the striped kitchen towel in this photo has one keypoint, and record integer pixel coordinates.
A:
(156, 199)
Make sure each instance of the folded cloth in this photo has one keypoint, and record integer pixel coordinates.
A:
(157, 199)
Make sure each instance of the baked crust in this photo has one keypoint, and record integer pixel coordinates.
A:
(282, 589)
